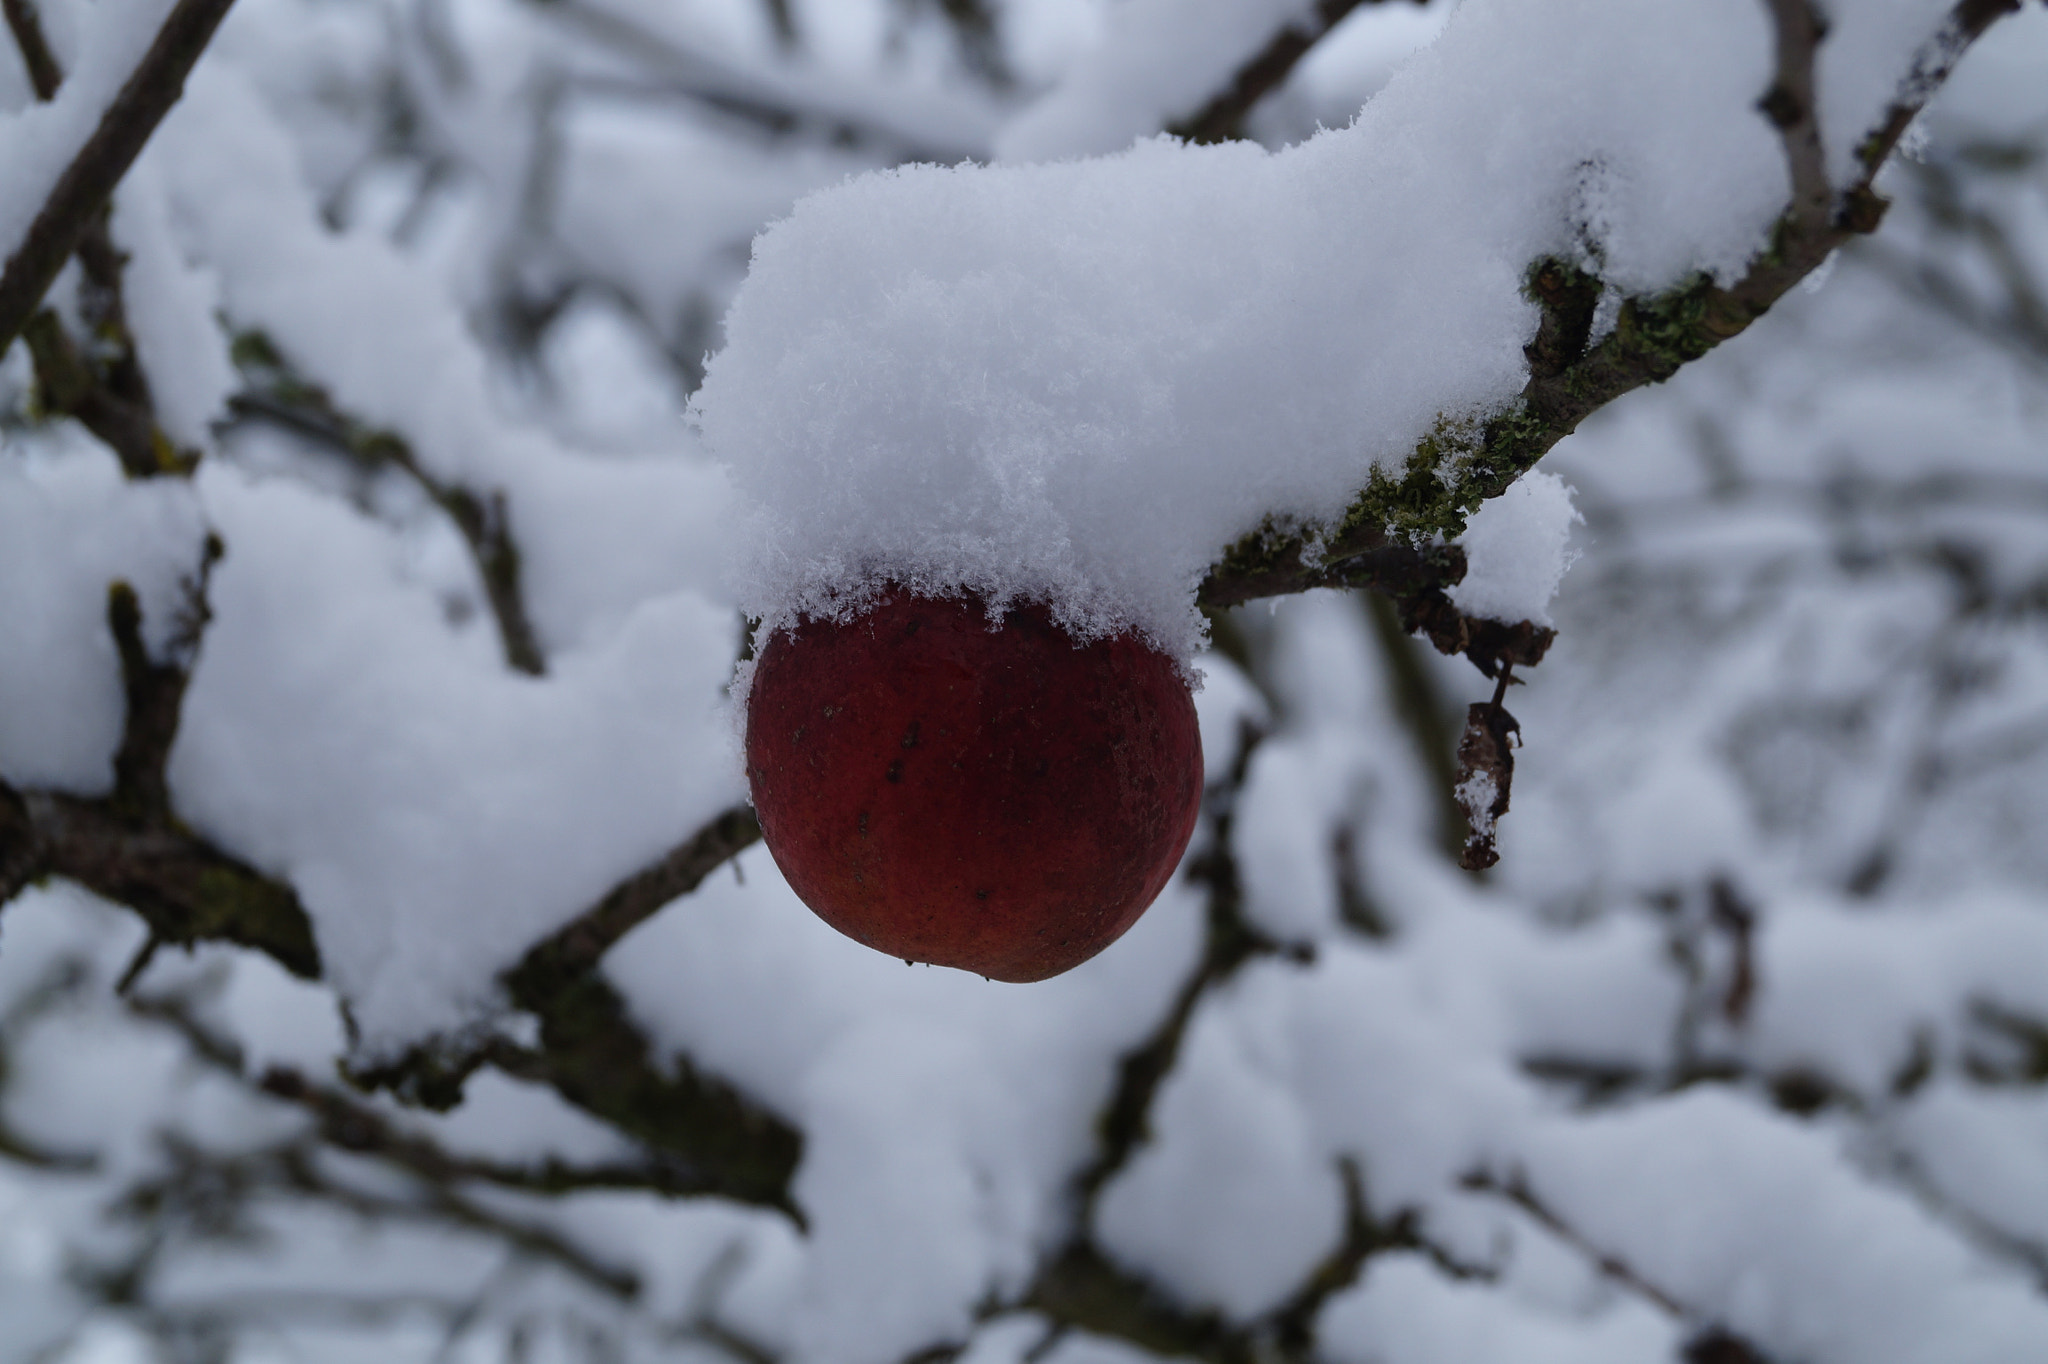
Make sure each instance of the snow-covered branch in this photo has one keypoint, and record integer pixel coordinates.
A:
(98, 164)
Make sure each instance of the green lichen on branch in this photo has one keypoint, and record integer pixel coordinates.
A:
(1465, 460)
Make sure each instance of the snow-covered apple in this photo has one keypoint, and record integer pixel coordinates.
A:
(970, 790)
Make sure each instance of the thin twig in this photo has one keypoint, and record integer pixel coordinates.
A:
(576, 949)
(1515, 1189)
(1792, 107)
(1222, 118)
(278, 395)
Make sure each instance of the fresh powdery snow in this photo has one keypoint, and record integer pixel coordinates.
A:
(1080, 381)
(1516, 550)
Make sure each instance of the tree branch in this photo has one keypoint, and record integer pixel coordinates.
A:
(1792, 107)
(591, 1052)
(1459, 466)
(105, 388)
(279, 395)
(557, 962)
(150, 91)
(44, 75)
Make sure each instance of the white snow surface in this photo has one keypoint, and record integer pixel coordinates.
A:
(1080, 381)
(1517, 548)
(441, 813)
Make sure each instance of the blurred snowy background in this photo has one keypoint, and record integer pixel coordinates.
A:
(1739, 1056)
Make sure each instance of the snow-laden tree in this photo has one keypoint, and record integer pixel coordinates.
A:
(412, 408)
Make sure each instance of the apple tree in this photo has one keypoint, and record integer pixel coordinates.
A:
(1614, 925)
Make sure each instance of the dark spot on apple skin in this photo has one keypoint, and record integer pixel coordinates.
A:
(981, 895)
(910, 735)
(895, 772)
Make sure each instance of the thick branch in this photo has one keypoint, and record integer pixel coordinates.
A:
(148, 95)
(184, 888)
(1457, 468)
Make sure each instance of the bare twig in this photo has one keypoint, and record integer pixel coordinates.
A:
(1514, 1187)
(576, 949)
(1790, 104)
(1222, 118)
(279, 395)
(44, 75)
(150, 91)
(104, 388)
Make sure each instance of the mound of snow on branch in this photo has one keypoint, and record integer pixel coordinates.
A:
(1080, 381)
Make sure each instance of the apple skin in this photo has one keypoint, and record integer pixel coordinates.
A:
(945, 790)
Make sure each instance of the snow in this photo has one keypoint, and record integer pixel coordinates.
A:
(1516, 550)
(1048, 381)
(1408, 1310)
(941, 1113)
(172, 311)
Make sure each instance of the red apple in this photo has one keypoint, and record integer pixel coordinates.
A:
(972, 793)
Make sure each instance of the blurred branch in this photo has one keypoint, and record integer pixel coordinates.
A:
(1514, 1187)
(1229, 941)
(1791, 105)
(150, 91)
(557, 962)
(44, 75)
(1460, 465)
(130, 847)
(102, 385)
(715, 1139)
(1078, 1286)
(1938, 273)
(1423, 710)
(800, 101)
(277, 394)
(1710, 1344)
(1222, 118)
